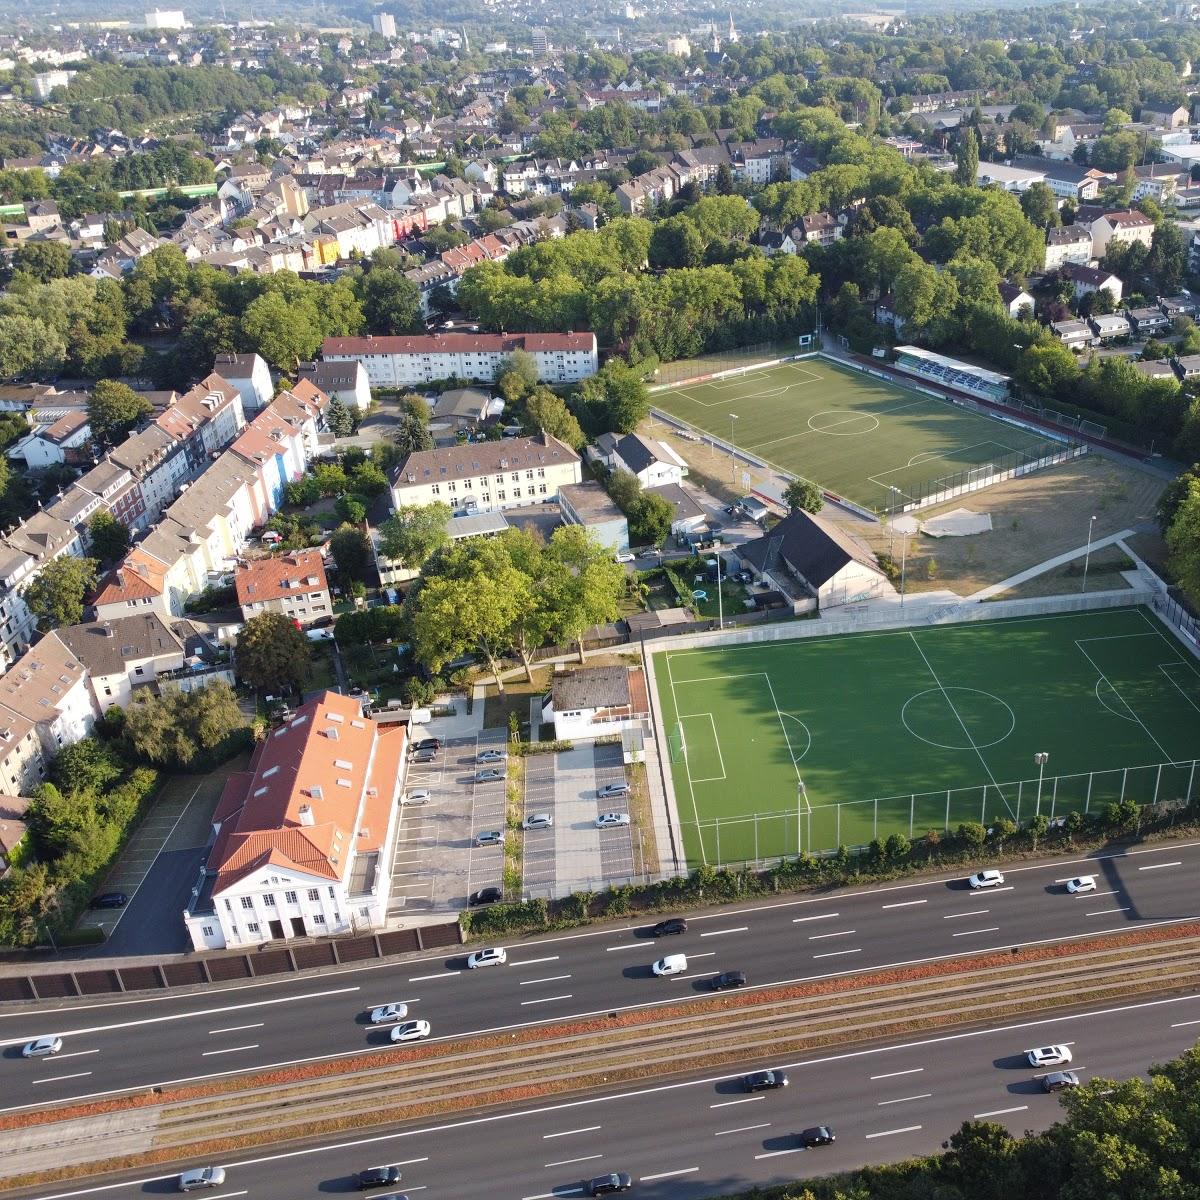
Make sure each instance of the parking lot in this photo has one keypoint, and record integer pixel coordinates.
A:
(436, 863)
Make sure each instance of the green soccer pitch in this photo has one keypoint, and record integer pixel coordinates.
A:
(909, 730)
(854, 434)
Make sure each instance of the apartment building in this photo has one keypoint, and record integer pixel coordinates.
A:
(292, 584)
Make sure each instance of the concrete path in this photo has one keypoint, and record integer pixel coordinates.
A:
(1058, 560)
(462, 724)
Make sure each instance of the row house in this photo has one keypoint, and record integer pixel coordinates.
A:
(757, 162)
(1068, 244)
(66, 439)
(293, 585)
(276, 448)
(122, 654)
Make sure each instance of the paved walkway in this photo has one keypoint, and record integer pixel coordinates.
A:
(462, 724)
(993, 589)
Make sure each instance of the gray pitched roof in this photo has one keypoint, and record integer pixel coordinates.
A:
(636, 452)
(590, 687)
(105, 647)
(814, 549)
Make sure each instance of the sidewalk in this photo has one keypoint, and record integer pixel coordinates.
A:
(1058, 560)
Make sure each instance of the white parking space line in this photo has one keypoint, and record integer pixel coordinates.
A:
(743, 1100)
(818, 917)
(777, 1153)
(571, 1132)
(838, 953)
(1100, 912)
(1159, 866)
(1000, 1112)
(975, 912)
(890, 1132)
(237, 1028)
(545, 999)
(816, 937)
(668, 1174)
(718, 932)
(904, 904)
(546, 979)
(566, 1162)
(528, 962)
(60, 1078)
(903, 1099)
(741, 1129)
(971, 932)
(896, 1074)
(229, 1050)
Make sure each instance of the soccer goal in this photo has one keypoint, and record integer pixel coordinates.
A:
(675, 741)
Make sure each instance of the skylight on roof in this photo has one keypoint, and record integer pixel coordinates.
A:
(269, 772)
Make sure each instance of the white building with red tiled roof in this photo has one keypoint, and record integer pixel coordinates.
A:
(292, 584)
(399, 361)
(305, 837)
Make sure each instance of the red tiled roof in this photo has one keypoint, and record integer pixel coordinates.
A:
(272, 578)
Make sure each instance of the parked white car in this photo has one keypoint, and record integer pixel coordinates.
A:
(612, 820)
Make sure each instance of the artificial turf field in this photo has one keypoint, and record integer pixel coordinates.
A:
(854, 434)
(907, 730)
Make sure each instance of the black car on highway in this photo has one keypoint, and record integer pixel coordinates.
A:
(606, 1185)
(669, 926)
(764, 1081)
(727, 979)
(374, 1177)
(818, 1135)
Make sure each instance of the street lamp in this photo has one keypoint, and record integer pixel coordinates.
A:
(1088, 556)
(732, 456)
(801, 792)
(1041, 758)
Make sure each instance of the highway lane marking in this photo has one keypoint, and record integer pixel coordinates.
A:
(205, 1012)
(546, 999)
(975, 912)
(777, 1153)
(426, 978)
(566, 1162)
(528, 962)
(890, 1132)
(838, 953)
(545, 979)
(743, 1100)
(608, 931)
(718, 932)
(668, 1174)
(904, 903)
(816, 937)
(995, 891)
(588, 1102)
(237, 1028)
(742, 1129)
(229, 1195)
(972, 932)
(571, 1132)
(631, 1008)
(555, 1194)
(1181, 1024)
(228, 1050)
(72, 1054)
(60, 1078)
(819, 917)
(629, 946)
(1000, 1112)
(903, 1099)
(1102, 911)
(894, 1074)
(1160, 866)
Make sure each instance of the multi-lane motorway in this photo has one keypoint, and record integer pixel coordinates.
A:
(139, 1042)
(702, 1136)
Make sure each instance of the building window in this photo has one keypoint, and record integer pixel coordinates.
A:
(542, 489)
(228, 905)
(516, 493)
(290, 897)
(452, 487)
(252, 927)
(247, 902)
(269, 900)
(332, 893)
(436, 489)
(313, 894)
(319, 919)
(138, 671)
(206, 930)
(501, 496)
(528, 474)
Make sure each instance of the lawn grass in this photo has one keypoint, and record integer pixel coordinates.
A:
(515, 699)
(903, 731)
(854, 434)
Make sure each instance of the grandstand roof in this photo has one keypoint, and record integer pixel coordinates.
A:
(953, 364)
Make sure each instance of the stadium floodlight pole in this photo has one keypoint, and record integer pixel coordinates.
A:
(800, 794)
(1087, 558)
(1041, 758)
(732, 454)
(720, 599)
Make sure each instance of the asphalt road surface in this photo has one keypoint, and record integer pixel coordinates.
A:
(703, 1137)
(139, 1042)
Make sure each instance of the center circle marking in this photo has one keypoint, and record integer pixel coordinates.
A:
(996, 704)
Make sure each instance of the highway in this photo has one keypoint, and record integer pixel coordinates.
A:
(703, 1137)
(140, 1042)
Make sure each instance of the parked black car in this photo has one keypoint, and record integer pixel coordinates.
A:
(109, 900)
(487, 895)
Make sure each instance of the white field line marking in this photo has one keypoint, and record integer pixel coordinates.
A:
(1181, 1024)
(972, 932)
(838, 953)
(237, 1028)
(73, 1054)
(570, 1132)
(1160, 866)
(545, 999)
(566, 1162)
(546, 979)
(890, 1132)
(1099, 912)
(668, 1174)
(818, 917)
(778, 1153)
(1116, 692)
(743, 1100)
(632, 946)
(816, 937)
(427, 978)
(528, 962)
(60, 1078)
(975, 912)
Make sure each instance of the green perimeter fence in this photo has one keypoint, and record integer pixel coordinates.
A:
(822, 828)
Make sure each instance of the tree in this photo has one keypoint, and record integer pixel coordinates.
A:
(966, 158)
(176, 727)
(412, 434)
(88, 765)
(1040, 206)
(368, 479)
(272, 654)
(676, 242)
(523, 367)
(615, 399)
(1183, 540)
(338, 418)
(284, 330)
(546, 411)
(804, 495)
(110, 537)
(56, 594)
(1168, 257)
(43, 261)
(723, 184)
(650, 518)
(587, 586)
(114, 409)
(351, 508)
(391, 303)
(414, 533)
(351, 551)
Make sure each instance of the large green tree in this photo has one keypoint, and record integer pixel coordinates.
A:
(1183, 540)
(110, 537)
(114, 408)
(587, 586)
(805, 495)
(351, 551)
(413, 533)
(56, 594)
(176, 727)
(272, 654)
(546, 411)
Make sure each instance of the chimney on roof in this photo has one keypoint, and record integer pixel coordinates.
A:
(306, 815)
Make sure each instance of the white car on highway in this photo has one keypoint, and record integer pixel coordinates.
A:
(41, 1047)
(1084, 883)
(672, 964)
(493, 957)
(1049, 1056)
(986, 879)
(410, 1031)
(386, 1013)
